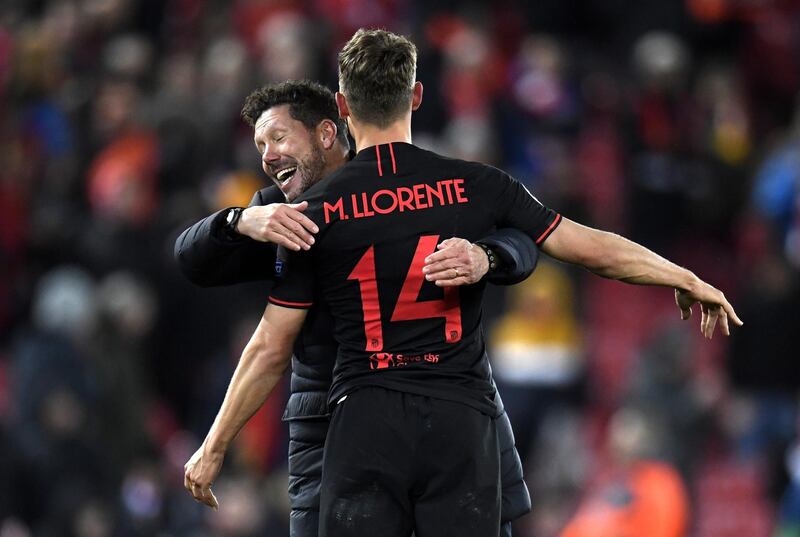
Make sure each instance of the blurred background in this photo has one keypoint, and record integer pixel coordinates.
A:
(672, 122)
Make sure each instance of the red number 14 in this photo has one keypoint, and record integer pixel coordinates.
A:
(408, 308)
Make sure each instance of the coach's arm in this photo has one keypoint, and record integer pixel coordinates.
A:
(208, 254)
(506, 257)
(615, 257)
(517, 256)
(260, 367)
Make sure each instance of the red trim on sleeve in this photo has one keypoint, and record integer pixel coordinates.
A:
(549, 230)
(391, 152)
(278, 302)
(378, 152)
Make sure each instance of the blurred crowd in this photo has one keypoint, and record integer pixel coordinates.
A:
(675, 123)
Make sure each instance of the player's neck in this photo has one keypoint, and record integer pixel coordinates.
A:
(367, 135)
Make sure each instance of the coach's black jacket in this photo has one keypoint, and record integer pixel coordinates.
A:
(209, 256)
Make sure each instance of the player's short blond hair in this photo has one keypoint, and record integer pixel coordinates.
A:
(377, 71)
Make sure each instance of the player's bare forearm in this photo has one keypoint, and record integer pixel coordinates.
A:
(611, 256)
(260, 367)
(254, 379)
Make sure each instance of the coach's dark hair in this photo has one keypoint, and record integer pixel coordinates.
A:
(309, 103)
(377, 71)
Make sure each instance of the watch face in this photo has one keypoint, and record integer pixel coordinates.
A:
(229, 218)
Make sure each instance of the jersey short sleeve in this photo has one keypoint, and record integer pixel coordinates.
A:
(516, 207)
(294, 280)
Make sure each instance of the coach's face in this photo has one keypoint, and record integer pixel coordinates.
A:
(291, 155)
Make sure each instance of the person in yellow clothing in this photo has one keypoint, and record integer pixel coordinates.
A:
(537, 353)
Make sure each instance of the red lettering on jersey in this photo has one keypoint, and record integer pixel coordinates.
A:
(356, 212)
(336, 207)
(392, 200)
(408, 308)
(366, 205)
(446, 184)
(406, 198)
(364, 272)
(458, 184)
(386, 201)
(435, 193)
(419, 197)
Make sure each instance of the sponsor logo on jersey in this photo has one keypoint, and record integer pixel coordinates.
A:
(385, 360)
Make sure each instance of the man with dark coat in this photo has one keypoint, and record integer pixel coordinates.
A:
(239, 244)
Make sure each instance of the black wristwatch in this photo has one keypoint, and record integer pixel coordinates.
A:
(231, 219)
(494, 259)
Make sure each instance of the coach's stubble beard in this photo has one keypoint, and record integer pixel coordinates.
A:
(311, 171)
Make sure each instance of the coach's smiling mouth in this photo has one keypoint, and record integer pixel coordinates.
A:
(285, 175)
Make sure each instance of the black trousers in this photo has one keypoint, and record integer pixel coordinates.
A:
(397, 463)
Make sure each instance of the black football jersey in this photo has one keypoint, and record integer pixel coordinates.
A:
(380, 216)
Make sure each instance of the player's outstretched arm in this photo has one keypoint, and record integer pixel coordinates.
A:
(615, 257)
(260, 367)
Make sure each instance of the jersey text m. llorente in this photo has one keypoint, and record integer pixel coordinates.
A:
(380, 216)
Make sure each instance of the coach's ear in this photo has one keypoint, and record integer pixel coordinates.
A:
(326, 131)
(416, 99)
(341, 103)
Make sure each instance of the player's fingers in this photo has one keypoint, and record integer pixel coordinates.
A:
(303, 220)
(195, 490)
(686, 310)
(186, 483)
(214, 503)
(723, 324)
(731, 313)
(713, 316)
(706, 321)
(205, 496)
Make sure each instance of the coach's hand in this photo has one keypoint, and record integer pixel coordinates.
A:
(283, 224)
(713, 307)
(457, 262)
(199, 474)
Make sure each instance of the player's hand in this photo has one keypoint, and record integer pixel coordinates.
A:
(200, 472)
(713, 307)
(457, 262)
(283, 224)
